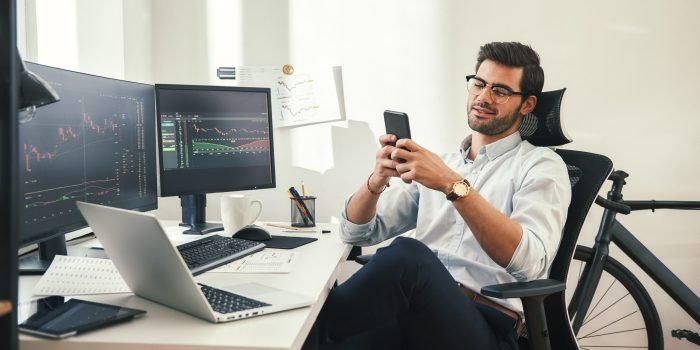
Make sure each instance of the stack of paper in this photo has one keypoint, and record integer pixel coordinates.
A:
(261, 262)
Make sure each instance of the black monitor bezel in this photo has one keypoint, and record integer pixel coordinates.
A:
(202, 179)
(80, 224)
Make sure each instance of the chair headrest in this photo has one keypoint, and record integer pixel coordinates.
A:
(543, 126)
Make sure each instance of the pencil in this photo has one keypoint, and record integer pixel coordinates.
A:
(301, 209)
(296, 195)
(288, 227)
(303, 192)
(308, 231)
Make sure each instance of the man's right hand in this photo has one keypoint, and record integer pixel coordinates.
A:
(384, 167)
(363, 204)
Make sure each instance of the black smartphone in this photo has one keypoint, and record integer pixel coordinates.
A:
(396, 123)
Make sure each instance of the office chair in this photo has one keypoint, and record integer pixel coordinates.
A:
(544, 303)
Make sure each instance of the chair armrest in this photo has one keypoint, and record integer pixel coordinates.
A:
(363, 259)
(541, 287)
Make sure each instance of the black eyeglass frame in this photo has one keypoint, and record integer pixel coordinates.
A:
(510, 91)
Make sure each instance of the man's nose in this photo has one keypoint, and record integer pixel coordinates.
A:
(485, 95)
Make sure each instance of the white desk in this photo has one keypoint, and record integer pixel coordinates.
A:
(315, 272)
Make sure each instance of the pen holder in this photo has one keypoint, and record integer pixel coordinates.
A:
(300, 218)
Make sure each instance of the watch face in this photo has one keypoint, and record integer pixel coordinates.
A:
(461, 189)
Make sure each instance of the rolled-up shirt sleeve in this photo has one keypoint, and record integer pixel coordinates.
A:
(540, 206)
(397, 211)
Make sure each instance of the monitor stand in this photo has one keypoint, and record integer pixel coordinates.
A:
(38, 263)
(194, 215)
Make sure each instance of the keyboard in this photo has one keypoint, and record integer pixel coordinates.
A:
(213, 251)
(225, 302)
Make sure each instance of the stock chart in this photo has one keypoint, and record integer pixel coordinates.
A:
(214, 141)
(92, 145)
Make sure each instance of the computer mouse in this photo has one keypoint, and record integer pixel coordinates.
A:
(253, 233)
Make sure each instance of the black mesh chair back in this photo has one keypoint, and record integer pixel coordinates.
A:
(587, 173)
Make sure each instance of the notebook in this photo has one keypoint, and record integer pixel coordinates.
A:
(153, 269)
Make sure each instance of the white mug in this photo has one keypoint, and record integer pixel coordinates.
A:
(237, 211)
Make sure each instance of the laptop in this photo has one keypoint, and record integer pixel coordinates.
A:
(152, 267)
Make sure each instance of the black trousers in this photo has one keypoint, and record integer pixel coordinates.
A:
(405, 298)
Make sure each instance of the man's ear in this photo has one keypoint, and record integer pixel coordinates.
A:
(528, 105)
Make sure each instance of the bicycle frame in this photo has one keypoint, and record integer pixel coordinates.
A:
(612, 230)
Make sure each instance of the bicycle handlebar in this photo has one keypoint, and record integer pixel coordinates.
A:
(614, 206)
(617, 204)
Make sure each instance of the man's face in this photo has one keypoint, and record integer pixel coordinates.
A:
(484, 114)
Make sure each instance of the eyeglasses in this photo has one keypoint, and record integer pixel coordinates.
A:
(499, 93)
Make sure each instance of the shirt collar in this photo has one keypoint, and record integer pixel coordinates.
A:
(495, 149)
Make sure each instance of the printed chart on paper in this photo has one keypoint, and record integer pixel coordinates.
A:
(309, 95)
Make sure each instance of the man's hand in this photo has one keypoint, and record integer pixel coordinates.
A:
(384, 168)
(363, 205)
(423, 166)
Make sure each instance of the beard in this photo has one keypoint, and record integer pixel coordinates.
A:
(496, 125)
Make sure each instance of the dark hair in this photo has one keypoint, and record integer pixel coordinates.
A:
(515, 54)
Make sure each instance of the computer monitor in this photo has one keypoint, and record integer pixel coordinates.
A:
(212, 139)
(97, 144)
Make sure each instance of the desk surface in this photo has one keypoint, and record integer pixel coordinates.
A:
(314, 273)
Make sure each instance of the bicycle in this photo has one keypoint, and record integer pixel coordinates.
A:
(601, 303)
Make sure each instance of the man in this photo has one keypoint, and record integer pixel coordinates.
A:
(491, 213)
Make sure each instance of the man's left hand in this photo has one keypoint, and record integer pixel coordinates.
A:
(423, 166)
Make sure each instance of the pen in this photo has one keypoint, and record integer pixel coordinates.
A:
(311, 231)
(288, 227)
(301, 201)
(299, 204)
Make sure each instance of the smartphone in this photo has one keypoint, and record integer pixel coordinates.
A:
(396, 123)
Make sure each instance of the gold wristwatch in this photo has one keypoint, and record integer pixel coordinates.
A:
(460, 189)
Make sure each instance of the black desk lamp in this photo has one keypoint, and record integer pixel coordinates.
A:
(33, 92)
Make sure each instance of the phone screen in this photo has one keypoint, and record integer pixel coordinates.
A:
(396, 123)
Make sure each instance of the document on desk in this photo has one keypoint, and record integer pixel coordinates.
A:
(261, 262)
(75, 275)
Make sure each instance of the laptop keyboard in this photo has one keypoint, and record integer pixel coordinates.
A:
(225, 302)
(209, 252)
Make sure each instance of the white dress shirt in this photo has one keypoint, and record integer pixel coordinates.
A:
(529, 184)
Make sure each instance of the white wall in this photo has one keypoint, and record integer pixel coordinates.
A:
(631, 70)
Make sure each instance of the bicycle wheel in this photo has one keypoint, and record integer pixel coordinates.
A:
(621, 314)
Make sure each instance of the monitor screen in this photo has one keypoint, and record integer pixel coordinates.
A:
(97, 144)
(214, 139)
